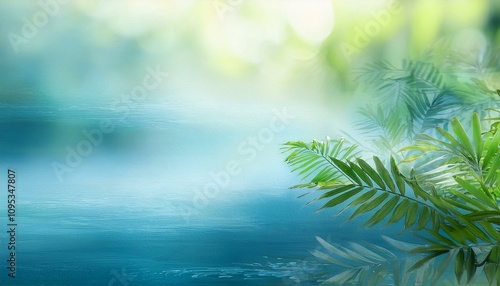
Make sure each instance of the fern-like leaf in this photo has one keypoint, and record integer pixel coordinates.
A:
(312, 161)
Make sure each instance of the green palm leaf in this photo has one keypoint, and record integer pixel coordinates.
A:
(446, 188)
(313, 160)
(366, 264)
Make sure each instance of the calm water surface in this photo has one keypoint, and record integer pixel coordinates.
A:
(130, 214)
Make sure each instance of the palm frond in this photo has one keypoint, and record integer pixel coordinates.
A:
(473, 155)
(366, 263)
(385, 130)
(446, 190)
(424, 76)
(416, 96)
(467, 261)
(386, 192)
(430, 110)
(396, 85)
(312, 160)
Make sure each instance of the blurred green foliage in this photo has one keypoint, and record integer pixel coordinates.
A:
(96, 48)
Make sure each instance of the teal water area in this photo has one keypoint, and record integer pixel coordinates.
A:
(136, 210)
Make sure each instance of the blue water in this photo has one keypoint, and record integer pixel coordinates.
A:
(119, 217)
(64, 241)
(264, 242)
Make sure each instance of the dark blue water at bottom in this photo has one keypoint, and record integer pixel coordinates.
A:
(265, 241)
